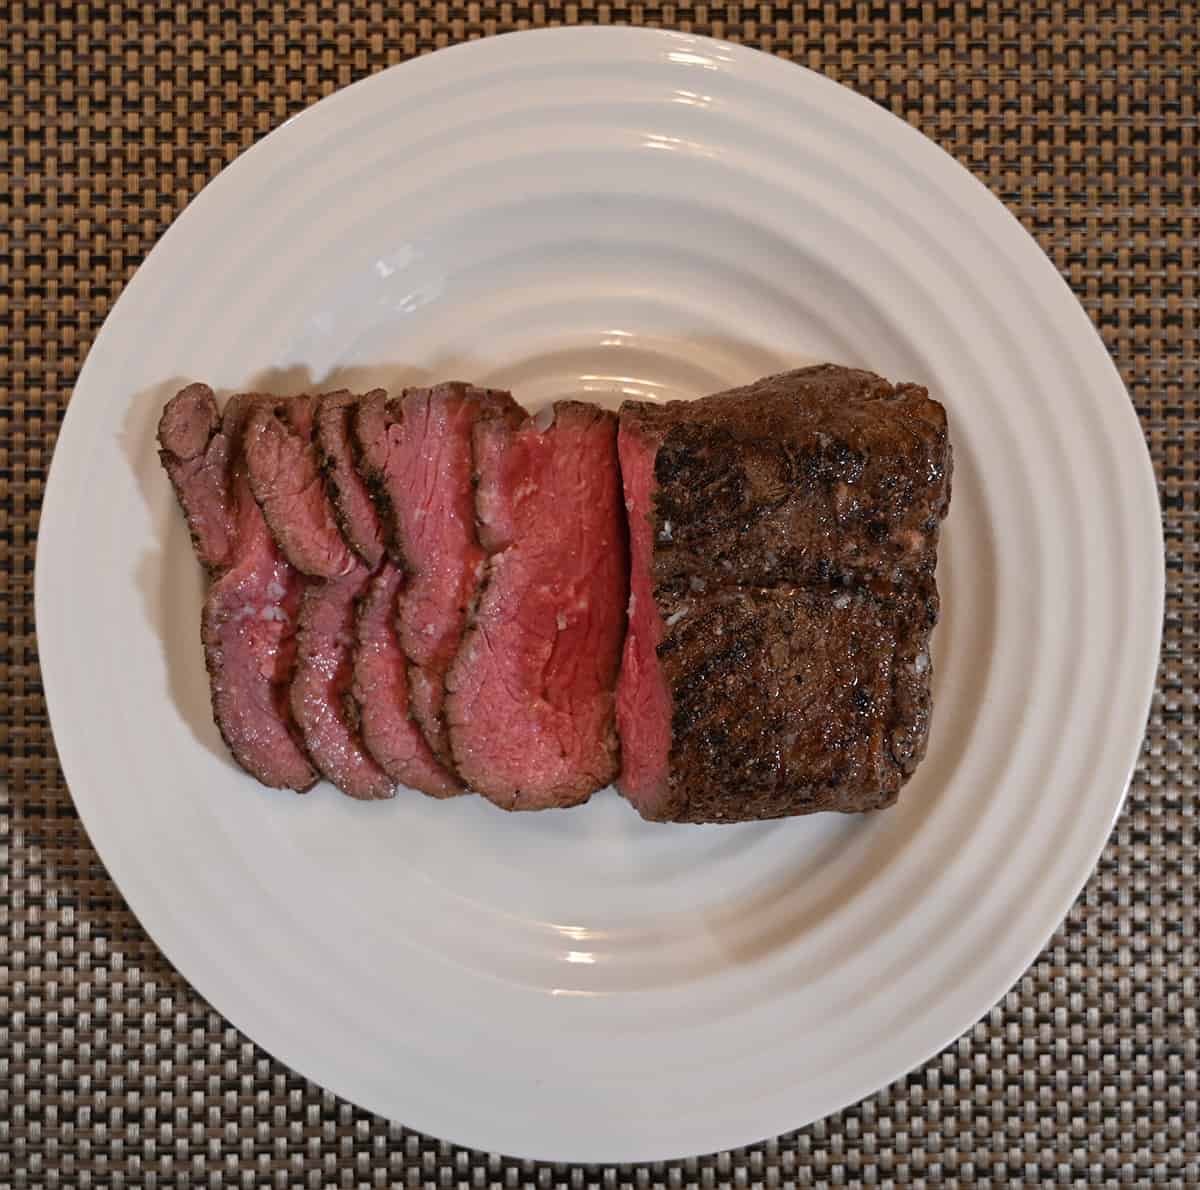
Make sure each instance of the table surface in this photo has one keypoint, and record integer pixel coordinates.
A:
(113, 1072)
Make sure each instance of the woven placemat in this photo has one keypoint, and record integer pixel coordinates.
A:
(113, 1072)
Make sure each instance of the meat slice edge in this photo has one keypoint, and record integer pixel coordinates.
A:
(195, 452)
(380, 690)
(530, 696)
(320, 694)
(643, 701)
(353, 507)
(287, 481)
(248, 629)
(416, 454)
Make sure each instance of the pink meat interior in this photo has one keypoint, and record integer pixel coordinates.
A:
(643, 703)
(324, 671)
(531, 711)
(381, 692)
(249, 629)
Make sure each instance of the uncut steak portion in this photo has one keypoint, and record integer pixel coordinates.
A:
(249, 620)
(417, 457)
(815, 475)
(530, 697)
(783, 542)
(380, 692)
(788, 701)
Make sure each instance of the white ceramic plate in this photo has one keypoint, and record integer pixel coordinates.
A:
(611, 213)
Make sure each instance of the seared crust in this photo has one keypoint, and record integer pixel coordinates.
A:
(809, 476)
(790, 701)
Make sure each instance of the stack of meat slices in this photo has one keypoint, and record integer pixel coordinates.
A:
(425, 591)
(726, 606)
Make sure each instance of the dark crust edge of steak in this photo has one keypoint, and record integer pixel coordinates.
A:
(370, 419)
(716, 776)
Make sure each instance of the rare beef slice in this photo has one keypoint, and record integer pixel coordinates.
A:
(297, 459)
(380, 692)
(285, 474)
(320, 690)
(416, 454)
(249, 619)
(783, 544)
(195, 452)
(356, 514)
(530, 697)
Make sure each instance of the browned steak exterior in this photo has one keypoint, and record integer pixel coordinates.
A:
(793, 700)
(809, 476)
(787, 532)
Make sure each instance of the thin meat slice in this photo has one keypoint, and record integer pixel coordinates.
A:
(248, 628)
(417, 457)
(530, 697)
(196, 455)
(285, 476)
(355, 511)
(782, 595)
(380, 691)
(320, 691)
(288, 472)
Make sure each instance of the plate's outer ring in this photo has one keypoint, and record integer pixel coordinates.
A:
(602, 1138)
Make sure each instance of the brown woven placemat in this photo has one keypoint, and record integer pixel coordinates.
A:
(113, 1072)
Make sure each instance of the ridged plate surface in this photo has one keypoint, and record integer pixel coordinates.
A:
(611, 213)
